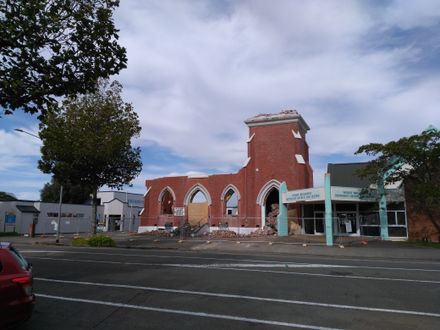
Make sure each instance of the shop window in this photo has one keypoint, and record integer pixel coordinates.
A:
(371, 207)
(401, 218)
(397, 224)
(369, 219)
(396, 206)
(397, 231)
(346, 207)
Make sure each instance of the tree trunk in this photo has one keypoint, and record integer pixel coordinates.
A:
(93, 221)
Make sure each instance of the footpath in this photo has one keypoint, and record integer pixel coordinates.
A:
(292, 245)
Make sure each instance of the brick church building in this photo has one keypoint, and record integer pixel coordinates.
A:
(243, 201)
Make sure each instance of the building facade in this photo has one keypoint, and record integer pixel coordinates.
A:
(277, 152)
(117, 211)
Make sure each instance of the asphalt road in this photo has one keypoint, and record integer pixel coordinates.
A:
(85, 288)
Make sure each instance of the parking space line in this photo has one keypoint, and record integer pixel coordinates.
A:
(189, 313)
(244, 297)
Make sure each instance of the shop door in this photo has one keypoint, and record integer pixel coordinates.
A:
(319, 222)
(346, 223)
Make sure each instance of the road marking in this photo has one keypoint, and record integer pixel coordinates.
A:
(183, 312)
(275, 265)
(235, 296)
(244, 260)
(41, 251)
(214, 266)
(207, 266)
(336, 276)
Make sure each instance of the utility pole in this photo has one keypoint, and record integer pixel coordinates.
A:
(61, 189)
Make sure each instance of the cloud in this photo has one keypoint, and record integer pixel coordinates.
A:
(357, 71)
(16, 149)
(195, 74)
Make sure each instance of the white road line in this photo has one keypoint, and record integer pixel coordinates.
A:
(299, 256)
(274, 265)
(336, 276)
(235, 296)
(245, 270)
(244, 260)
(183, 312)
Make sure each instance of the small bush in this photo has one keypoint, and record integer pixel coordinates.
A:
(79, 241)
(101, 240)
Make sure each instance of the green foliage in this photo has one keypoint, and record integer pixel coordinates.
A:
(88, 142)
(4, 196)
(73, 194)
(101, 241)
(96, 241)
(80, 241)
(420, 157)
(53, 48)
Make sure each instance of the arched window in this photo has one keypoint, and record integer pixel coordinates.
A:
(197, 194)
(231, 203)
(198, 197)
(166, 202)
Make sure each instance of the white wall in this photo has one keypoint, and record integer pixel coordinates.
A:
(75, 218)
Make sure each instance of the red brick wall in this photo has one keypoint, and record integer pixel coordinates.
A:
(272, 151)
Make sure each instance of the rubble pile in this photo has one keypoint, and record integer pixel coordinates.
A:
(222, 234)
(158, 233)
(266, 231)
(271, 218)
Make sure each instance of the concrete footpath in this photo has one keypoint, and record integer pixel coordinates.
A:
(293, 245)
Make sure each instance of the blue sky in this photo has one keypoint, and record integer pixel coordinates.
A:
(357, 71)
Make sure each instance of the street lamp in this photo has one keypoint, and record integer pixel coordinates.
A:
(23, 131)
(57, 240)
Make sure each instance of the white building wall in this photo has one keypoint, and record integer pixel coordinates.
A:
(21, 219)
(75, 218)
(135, 200)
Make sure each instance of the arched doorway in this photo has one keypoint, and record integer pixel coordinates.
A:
(268, 199)
(198, 200)
(272, 208)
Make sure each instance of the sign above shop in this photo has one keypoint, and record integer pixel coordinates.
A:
(351, 194)
(304, 195)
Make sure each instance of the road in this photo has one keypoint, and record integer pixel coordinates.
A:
(86, 288)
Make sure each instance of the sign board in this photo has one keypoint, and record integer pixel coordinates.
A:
(304, 195)
(350, 194)
(10, 219)
(179, 211)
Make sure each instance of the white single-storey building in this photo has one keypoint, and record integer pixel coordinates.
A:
(117, 211)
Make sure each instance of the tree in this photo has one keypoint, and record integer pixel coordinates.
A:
(55, 48)
(5, 196)
(88, 142)
(73, 194)
(420, 156)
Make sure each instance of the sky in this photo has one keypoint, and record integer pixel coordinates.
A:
(357, 71)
